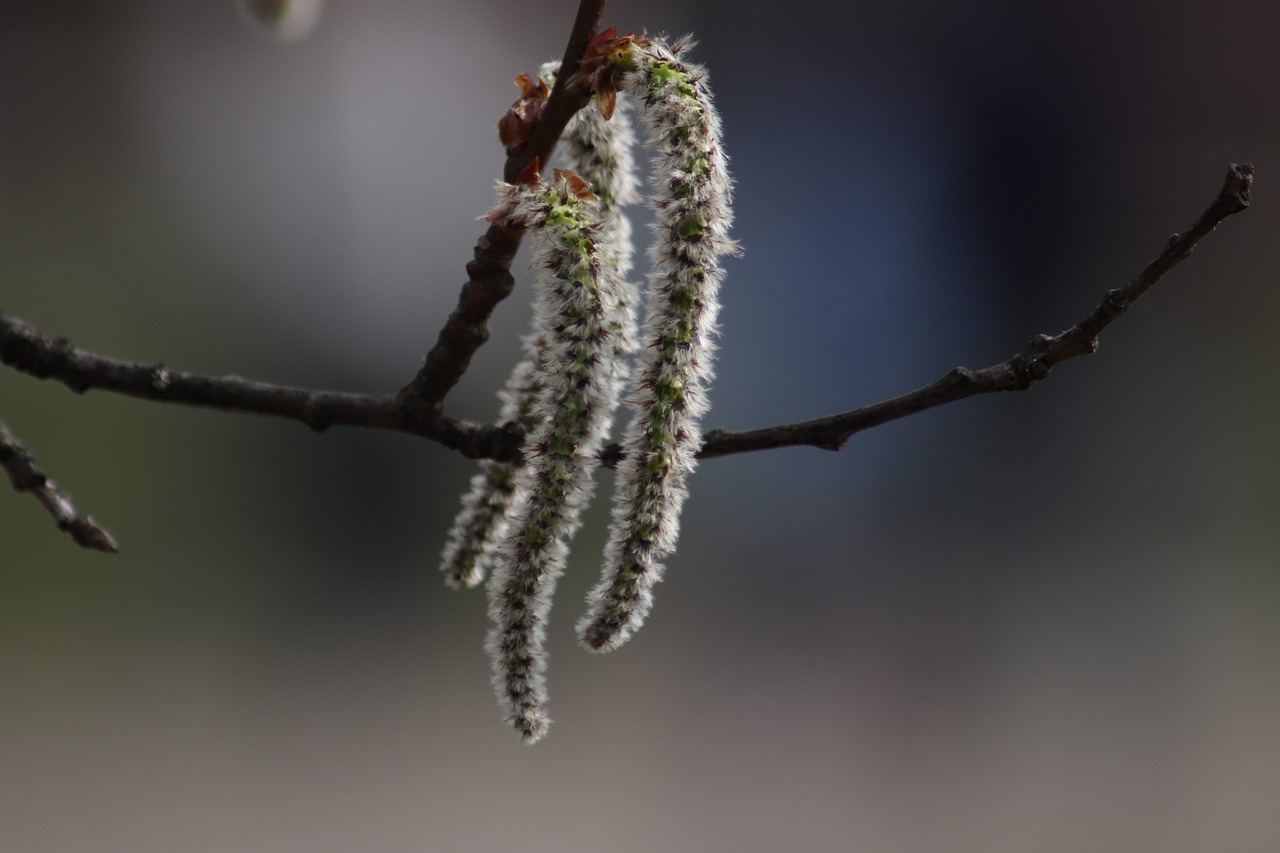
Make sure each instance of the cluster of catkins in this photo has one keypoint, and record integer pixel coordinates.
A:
(518, 518)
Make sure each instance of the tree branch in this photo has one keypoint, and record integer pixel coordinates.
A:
(26, 476)
(1019, 372)
(489, 272)
(418, 407)
(25, 349)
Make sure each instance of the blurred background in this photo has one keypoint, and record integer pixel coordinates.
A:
(1046, 621)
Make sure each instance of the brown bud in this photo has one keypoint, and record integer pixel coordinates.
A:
(517, 125)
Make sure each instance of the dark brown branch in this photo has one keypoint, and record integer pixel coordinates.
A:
(489, 273)
(1016, 374)
(26, 476)
(25, 349)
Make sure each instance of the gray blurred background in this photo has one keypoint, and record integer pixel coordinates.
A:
(1046, 621)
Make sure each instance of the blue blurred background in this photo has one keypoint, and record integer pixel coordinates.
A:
(1045, 621)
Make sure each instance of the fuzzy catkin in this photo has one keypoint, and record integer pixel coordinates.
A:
(692, 194)
(601, 152)
(573, 405)
(481, 524)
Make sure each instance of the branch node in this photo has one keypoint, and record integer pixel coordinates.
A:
(60, 352)
(1029, 367)
(835, 444)
(25, 480)
(57, 362)
(160, 380)
(489, 276)
(1040, 343)
(1117, 300)
(1236, 190)
(315, 420)
(958, 377)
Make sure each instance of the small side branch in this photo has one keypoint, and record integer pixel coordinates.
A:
(26, 476)
(489, 278)
(1020, 372)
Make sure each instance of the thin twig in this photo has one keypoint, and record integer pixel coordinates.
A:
(26, 476)
(25, 349)
(1016, 374)
(489, 272)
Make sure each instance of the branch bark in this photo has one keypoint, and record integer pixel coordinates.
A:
(1018, 373)
(25, 349)
(489, 272)
(26, 476)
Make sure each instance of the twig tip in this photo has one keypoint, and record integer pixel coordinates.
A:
(87, 533)
(1236, 189)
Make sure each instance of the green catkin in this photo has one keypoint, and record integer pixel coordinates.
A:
(517, 521)
(600, 151)
(575, 395)
(692, 200)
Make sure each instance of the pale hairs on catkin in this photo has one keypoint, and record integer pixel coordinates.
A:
(518, 518)
(692, 199)
(601, 152)
(575, 395)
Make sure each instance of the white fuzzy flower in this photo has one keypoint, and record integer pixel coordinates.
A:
(692, 198)
(601, 152)
(482, 522)
(572, 409)
(519, 519)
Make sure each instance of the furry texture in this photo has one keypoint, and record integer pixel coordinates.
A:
(572, 408)
(601, 152)
(692, 194)
(518, 519)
